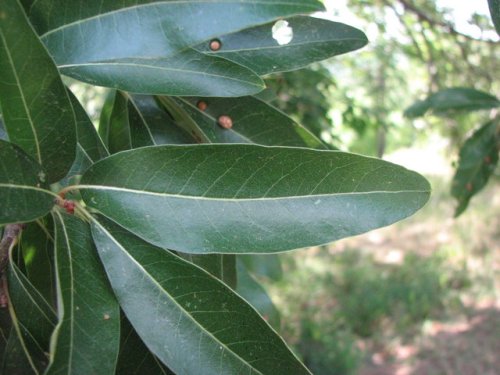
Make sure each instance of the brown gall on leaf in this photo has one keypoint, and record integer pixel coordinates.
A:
(487, 159)
(225, 122)
(468, 186)
(215, 44)
(202, 105)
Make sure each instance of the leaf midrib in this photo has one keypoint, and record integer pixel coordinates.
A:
(201, 197)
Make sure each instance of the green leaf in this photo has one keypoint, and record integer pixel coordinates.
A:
(105, 42)
(32, 315)
(15, 361)
(256, 295)
(254, 121)
(88, 139)
(478, 160)
(453, 99)
(268, 265)
(36, 109)
(201, 326)
(152, 125)
(495, 13)
(107, 109)
(119, 131)
(135, 358)
(3, 133)
(22, 183)
(222, 266)
(86, 339)
(37, 245)
(247, 198)
(313, 40)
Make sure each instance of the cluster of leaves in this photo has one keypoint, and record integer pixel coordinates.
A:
(129, 259)
(479, 153)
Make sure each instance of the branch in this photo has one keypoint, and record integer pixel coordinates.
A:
(408, 6)
(9, 238)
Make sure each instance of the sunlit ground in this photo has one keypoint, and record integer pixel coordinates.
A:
(418, 297)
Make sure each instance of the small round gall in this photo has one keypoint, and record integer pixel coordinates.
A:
(225, 122)
(487, 159)
(215, 44)
(468, 186)
(202, 105)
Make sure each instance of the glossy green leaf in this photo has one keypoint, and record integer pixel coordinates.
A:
(36, 109)
(22, 183)
(33, 317)
(247, 198)
(256, 295)
(88, 139)
(201, 326)
(119, 131)
(495, 13)
(151, 125)
(107, 109)
(37, 245)
(453, 99)
(478, 160)
(313, 40)
(135, 358)
(86, 339)
(143, 46)
(222, 266)
(254, 121)
(268, 265)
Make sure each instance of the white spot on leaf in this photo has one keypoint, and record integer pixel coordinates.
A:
(282, 33)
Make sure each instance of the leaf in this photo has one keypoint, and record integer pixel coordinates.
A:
(478, 160)
(494, 6)
(36, 109)
(119, 130)
(135, 358)
(14, 360)
(107, 109)
(254, 121)
(453, 99)
(152, 125)
(256, 295)
(37, 245)
(143, 46)
(86, 339)
(88, 139)
(201, 326)
(32, 315)
(222, 266)
(3, 133)
(313, 40)
(247, 198)
(22, 183)
(268, 265)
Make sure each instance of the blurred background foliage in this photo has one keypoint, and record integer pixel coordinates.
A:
(421, 296)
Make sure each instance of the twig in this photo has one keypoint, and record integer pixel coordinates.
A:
(9, 238)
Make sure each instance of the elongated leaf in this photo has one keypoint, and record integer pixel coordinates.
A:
(36, 109)
(86, 339)
(256, 295)
(22, 184)
(268, 265)
(119, 129)
(247, 198)
(34, 317)
(453, 99)
(222, 266)
(135, 358)
(495, 13)
(142, 46)
(202, 327)
(37, 245)
(313, 39)
(254, 121)
(152, 125)
(478, 160)
(88, 139)
(3, 133)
